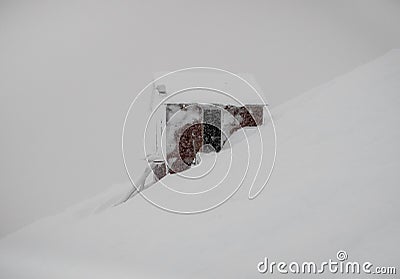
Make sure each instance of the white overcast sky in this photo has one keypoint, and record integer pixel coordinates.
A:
(69, 69)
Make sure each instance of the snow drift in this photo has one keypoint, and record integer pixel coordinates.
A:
(334, 187)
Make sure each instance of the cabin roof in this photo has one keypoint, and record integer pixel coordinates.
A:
(242, 93)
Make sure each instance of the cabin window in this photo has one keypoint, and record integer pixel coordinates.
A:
(212, 129)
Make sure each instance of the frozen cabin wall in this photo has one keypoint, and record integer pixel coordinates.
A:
(191, 128)
(202, 120)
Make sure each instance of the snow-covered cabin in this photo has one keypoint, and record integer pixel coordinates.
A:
(199, 112)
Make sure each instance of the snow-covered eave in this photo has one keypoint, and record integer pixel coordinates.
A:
(217, 104)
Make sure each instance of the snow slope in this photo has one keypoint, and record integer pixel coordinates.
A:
(335, 187)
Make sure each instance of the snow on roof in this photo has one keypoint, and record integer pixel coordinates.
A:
(239, 92)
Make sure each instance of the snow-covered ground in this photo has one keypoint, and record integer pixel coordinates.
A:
(335, 187)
